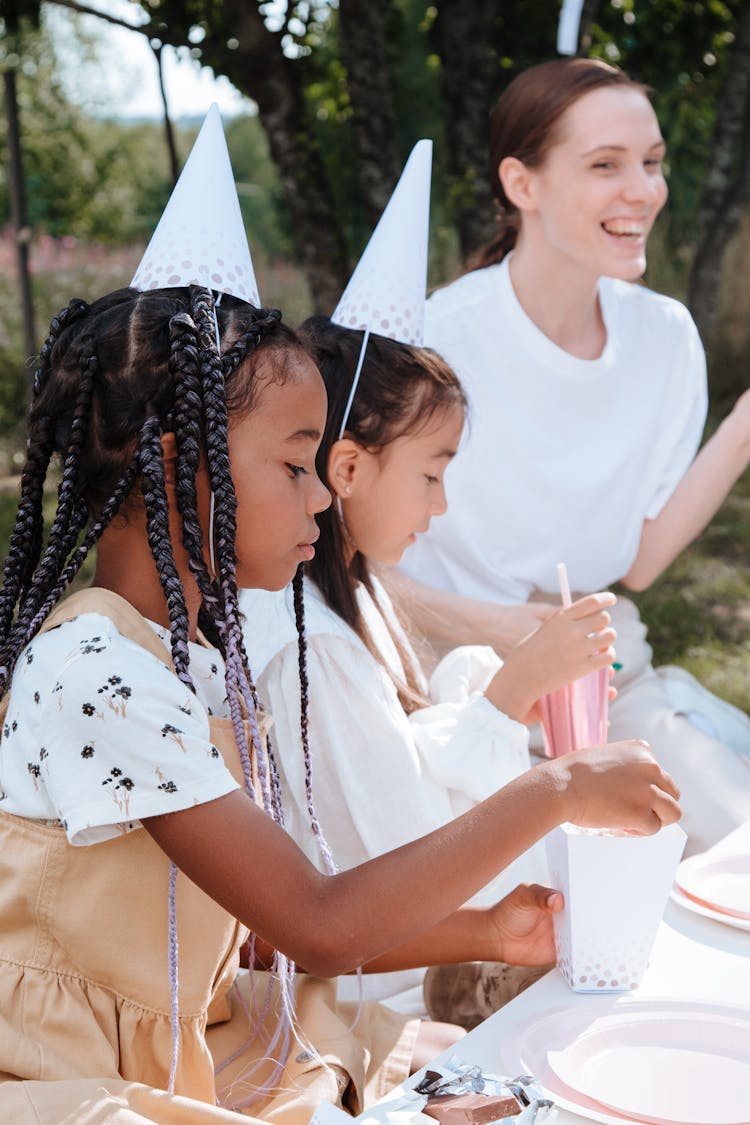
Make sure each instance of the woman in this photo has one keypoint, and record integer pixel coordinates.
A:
(588, 398)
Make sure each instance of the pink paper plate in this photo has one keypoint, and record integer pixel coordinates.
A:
(721, 883)
(705, 911)
(659, 1062)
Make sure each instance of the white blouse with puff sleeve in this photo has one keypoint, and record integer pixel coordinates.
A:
(380, 777)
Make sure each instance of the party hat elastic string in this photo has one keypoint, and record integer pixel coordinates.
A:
(355, 381)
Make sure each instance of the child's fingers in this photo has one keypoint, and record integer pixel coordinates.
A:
(584, 607)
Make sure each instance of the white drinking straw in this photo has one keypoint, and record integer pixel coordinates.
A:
(562, 578)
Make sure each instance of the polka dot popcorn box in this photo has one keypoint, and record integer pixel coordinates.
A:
(615, 888)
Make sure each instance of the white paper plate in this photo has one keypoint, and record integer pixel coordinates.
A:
(706, 912)
(660, 1062)
(721, 883)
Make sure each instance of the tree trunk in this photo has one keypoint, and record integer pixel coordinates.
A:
(364, 54)
(174, 163)
(18, 208)
(589, 12)
(725, 187)
(467, 86)
(256, 64)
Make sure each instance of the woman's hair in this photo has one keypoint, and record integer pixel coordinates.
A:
(525, 124)
(401, 389)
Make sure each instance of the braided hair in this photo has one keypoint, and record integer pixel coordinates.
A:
(113, 377)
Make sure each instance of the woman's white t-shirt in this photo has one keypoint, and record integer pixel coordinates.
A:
(99, 733)
(563, 458)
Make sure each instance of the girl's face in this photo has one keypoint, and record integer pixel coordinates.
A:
(595, 198)
(395, 492)
(272, 456)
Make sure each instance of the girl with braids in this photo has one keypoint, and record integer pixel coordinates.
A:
(134, 851)
(588, 394)
(381, 736)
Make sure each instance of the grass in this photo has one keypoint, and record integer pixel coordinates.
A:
(698, 612)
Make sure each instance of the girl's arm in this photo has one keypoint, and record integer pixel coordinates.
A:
(696, 499)
(449, 620)
(332, 924)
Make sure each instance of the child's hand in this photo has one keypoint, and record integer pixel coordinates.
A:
(570, 643)
(522, 925)
(619, 786)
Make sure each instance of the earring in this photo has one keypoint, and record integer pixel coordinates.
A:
(348, 490)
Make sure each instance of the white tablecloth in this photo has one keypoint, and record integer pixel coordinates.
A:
(693, 958)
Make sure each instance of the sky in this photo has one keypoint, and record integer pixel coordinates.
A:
(119, 77)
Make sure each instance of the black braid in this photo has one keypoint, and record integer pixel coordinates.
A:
(72, 512)
(24, 633)
(151, 466)
(72, 312)
(26, 539)
(299, 617)
(188, 426)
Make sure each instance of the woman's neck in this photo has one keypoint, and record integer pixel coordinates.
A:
(560, 299)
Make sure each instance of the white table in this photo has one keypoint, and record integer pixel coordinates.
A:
(693, 958)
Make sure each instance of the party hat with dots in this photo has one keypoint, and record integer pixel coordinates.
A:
(386, 292)
(200, 239)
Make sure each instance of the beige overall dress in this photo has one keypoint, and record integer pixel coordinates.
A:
(85, 1032)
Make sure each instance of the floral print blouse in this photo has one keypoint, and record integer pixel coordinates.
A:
(99, 733)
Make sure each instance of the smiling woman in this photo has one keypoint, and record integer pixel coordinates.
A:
(588, 397)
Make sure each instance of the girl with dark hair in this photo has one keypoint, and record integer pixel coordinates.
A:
(588, 398)
(140, 811)
(380, 735)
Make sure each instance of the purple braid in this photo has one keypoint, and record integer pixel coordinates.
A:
(299, 617)
(174, 975)
(151, 466)
(216, 431)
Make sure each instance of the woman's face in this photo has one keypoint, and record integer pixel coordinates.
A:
(396, 491)
(595, 198)
(272, 457)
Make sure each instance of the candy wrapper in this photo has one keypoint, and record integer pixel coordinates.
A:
(457, 1093)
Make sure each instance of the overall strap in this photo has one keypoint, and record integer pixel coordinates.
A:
(120, 612)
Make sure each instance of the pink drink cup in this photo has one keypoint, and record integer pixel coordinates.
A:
(575, 716)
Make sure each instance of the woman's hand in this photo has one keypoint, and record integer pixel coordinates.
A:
(567, 645)
(521, 925)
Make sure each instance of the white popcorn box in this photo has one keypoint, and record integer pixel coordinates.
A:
(615, 889)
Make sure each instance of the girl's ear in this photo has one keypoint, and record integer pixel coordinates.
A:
(517, 181)
(344, 466)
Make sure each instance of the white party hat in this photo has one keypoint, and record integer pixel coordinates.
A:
(200, 239)
(386, 292)
(568, 26)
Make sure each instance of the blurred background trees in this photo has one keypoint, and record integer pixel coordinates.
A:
(341, 91)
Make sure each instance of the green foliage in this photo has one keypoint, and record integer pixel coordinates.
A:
(103, 180)
(679, 48)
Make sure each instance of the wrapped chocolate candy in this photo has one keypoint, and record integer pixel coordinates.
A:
(460, 1094)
